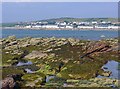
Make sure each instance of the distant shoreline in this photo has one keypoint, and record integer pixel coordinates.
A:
(23, 28)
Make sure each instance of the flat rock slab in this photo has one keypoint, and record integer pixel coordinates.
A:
(35, 54)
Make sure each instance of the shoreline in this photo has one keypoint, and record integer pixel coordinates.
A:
(73, 29)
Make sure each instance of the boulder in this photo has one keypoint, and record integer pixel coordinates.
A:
(106, 73)
(11, 38)
(35, 55)
(10, 82)
(12, 43)
(34, 41)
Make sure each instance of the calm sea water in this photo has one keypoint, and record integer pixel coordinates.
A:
(81, 34)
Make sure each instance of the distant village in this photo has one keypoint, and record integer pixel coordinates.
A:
(70, 25)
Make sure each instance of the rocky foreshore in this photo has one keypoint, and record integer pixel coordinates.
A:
(57, 62)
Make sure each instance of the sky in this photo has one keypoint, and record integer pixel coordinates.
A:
(31, 11)
(60, 0)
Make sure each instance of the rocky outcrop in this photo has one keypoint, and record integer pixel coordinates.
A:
(96, 48)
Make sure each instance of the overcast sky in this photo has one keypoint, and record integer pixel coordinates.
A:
(14, 12)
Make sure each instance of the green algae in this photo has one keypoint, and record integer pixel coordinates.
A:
(79, 71)
(33, 79)
(9, 71)
(30, 48)
(46, 69)
(8, 59)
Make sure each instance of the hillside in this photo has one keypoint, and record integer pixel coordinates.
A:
(80, 19)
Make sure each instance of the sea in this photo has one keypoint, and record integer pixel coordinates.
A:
(79, 34)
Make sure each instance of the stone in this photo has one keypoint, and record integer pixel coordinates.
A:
(35, 55)
(106, 73)
(12, 43)
(11, 38)
(72, 81)
(34, 41)
(10, 81)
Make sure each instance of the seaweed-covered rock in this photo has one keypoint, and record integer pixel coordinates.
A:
(81, 70)
(34, 80)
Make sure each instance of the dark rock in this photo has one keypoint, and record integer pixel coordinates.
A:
(10, 82)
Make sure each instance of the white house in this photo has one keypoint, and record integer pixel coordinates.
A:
(63, 23)
(69, 26)
(103, 22)
(86, 23)
(37, 26)
(94, 22)
(85, 27)
(50, 26)
(29, 26)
